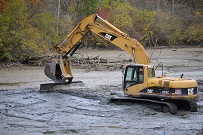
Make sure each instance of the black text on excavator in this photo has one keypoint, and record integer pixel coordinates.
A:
(139, 81)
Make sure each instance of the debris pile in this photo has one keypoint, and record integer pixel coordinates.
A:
(98, 63)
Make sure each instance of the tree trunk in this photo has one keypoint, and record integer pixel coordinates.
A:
(158, 5)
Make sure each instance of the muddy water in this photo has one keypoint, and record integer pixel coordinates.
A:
(79, 108)
(29, 112)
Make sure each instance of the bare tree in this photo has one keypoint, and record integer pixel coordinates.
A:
(158, 5)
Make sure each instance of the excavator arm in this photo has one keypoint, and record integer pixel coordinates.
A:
(59, 69)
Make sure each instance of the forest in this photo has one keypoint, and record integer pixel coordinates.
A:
(30, 28)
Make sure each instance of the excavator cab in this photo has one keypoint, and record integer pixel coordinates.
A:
(137, 74)
(133, 75)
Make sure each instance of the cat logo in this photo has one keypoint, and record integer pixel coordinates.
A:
(107, 36)
(149, 90)
(190, 91)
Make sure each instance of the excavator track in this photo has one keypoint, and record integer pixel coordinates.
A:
(163, 106)
(189, 105)
(193, 105)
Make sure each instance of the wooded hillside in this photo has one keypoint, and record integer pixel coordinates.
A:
(31, 28)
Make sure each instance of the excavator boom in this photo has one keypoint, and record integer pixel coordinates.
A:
(59, 69)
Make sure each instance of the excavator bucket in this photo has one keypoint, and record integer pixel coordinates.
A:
(53, 71)
(58, 71)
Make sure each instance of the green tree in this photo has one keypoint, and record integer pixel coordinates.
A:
(121, 15)
(143, 26)
(24, 34)
(194, 34)
(169, 29)
(45, 23)
(87, 7)
(13, 21)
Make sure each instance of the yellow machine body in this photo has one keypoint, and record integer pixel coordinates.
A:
(151, 86)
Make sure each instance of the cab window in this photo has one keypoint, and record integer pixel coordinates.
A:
(133, 75)
(151, 73)
(129, 74)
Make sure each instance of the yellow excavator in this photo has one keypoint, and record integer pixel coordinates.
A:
(139, 81)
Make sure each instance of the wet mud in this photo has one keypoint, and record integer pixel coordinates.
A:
(83, 108)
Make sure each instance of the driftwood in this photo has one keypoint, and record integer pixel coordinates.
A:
(33, 61)
(98, 63)
(78, 61)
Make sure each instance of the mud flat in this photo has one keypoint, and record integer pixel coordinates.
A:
(81, 108)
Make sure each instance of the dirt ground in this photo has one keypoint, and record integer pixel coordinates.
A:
(82, 108)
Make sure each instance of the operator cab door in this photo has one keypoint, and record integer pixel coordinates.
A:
(134, 74)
